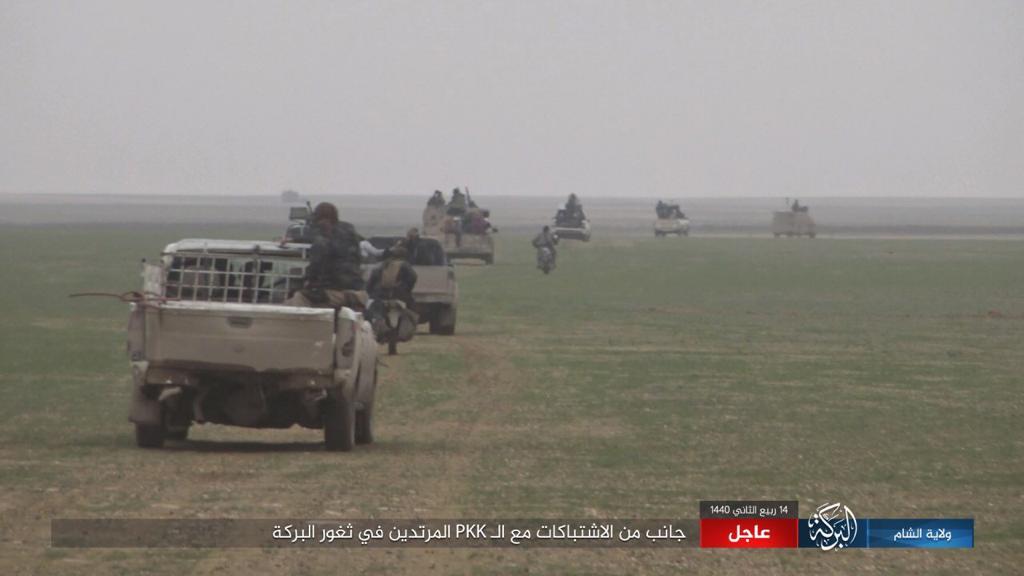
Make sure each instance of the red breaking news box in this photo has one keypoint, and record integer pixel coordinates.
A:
(749, 533)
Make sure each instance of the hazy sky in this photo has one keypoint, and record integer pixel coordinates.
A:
(675, 98)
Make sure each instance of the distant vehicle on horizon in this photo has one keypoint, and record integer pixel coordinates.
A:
(571, 222)
(462, 227)
(671, 220)
(793, 222)
(579, 230)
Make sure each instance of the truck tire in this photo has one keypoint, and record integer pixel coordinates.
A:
(488, 259)
(179, 434)
(339, 425)
(150, 435)
(443, 321)
(364, 418)
(364, 425)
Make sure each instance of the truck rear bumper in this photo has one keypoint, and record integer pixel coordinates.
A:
(161, 388)
(196, 377)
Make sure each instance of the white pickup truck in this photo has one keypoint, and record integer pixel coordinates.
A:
(675, 225)
(458, 244)
(793, 223)
(210, 340)
(572, 230)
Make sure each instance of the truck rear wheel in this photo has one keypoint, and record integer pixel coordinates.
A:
(339, 425)
(150, 435)
(443, 321)
(364, 425)
(179, 434)
(364, 418)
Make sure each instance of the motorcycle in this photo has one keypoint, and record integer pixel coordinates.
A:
(545, 259)
(392, 322)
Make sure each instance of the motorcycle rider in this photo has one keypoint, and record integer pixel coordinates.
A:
(394, 279)
(545, 239)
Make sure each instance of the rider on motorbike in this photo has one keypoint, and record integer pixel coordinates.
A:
(394, 279)
(545, 240)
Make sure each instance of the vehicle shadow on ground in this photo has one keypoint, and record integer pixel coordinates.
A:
(243, 446)
(252, 446)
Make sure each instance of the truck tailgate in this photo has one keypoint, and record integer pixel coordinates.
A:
(433, 282)
(241, 336)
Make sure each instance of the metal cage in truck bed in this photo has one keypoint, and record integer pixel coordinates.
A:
(233, 271)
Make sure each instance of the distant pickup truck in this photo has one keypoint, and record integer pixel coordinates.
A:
(468, 246)
(457, 243)
(666, 226)
(793, 223)
(436, 293)
(211, 340)
(573, 230)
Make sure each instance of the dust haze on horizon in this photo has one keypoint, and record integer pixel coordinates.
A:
(646, 99)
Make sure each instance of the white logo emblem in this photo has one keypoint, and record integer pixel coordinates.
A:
(832, 527)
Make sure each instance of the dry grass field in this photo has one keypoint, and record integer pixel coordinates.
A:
(638, 378)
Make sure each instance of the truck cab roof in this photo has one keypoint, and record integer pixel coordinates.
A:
(193, 245)
(430, 252)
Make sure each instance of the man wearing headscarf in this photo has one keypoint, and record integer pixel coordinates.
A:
(437, 199)
(457, 205)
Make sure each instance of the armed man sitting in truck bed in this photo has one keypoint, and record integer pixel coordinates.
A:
(333, 277)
